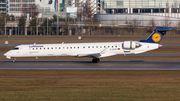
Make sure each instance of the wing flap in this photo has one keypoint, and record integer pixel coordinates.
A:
(94, 55)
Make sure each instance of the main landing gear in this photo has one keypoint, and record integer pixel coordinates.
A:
(95, 60)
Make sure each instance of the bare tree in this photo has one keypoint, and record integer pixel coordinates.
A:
(85, 12)
(166, 22)
(86, 16)
(152, 25)
(32, 10)
(132, 25)
(21, 24)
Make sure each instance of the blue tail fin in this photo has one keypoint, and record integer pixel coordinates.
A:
(156, 35)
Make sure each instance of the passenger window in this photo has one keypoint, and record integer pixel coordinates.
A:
(36, 48)
(59, 47)
(47, 48)
(88, 46)
(108, 46)
(116, 46)
(44, 48)
(78, 47)
(83, 47)
(104, 46)
(51, 47)
(74, 47)
(92, 46)
(71, 47)
(96, 46)
(33, 48)
(40, 48)
(100, 46)
(67, 47)
(112, 46)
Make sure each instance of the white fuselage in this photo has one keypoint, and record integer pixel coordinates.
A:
(78, 49)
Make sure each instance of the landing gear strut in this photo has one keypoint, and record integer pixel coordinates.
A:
(14, 60)
(95, 60)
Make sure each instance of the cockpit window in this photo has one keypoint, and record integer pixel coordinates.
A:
(15, 48)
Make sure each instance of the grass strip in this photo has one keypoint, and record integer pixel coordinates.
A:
(89, 85)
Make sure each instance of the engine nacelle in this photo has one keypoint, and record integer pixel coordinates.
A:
(129, 45)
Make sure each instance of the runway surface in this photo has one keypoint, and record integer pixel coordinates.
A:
(87, 65)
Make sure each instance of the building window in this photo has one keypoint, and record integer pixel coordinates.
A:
(119, 3)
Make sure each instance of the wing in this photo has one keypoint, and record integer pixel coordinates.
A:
(93, 55)
(103, 53)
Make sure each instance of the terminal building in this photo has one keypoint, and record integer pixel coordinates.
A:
(45, 7)
(122, 12)
(140, 6)
(2, 6)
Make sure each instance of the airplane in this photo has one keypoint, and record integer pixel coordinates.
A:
(93, 50)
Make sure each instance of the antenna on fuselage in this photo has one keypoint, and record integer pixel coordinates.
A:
(62, 42)
(34, 43)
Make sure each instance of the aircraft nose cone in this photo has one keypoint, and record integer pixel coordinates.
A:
(5, 54)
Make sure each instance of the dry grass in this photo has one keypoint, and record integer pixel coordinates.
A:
(89, 85)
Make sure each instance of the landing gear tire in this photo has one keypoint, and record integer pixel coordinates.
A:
(14, 60)
(95, 60)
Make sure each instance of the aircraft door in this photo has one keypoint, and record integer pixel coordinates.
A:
(25, 50)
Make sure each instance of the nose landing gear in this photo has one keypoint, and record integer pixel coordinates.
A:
(95, 60)
(14, 60)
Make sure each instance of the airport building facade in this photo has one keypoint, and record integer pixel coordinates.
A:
(45, 7)
(2, 6)
(143, 11)
(139, 6)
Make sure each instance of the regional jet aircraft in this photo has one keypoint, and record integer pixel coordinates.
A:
(92, 50)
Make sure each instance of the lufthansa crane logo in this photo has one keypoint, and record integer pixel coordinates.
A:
(156, 37)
